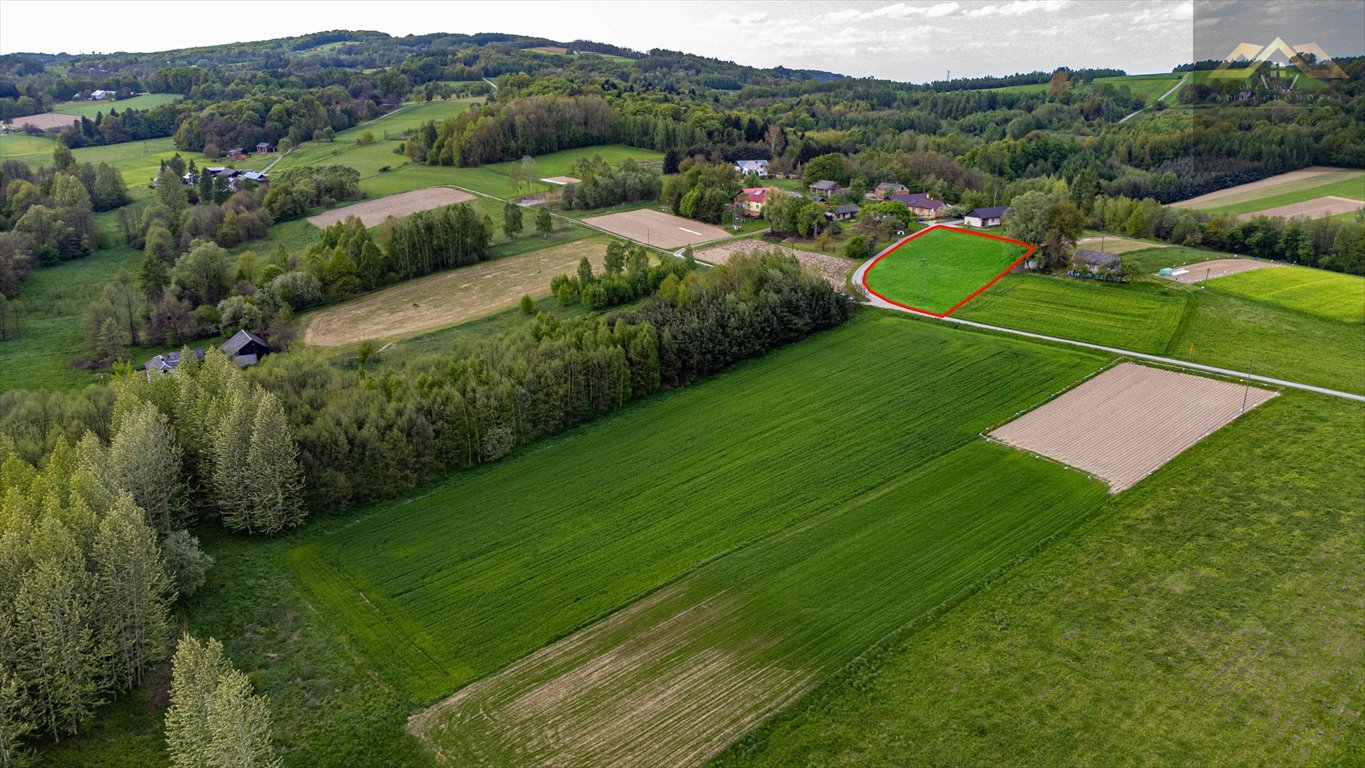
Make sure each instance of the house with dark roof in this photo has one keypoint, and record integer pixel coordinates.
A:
(236, 152)
(985, 217)
(168, 362)
(1097, 265)
(265, 146)
(826, 188)
(245, 348)
(921, 205)
(842, 212)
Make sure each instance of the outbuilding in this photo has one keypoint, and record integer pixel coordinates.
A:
(985, 217)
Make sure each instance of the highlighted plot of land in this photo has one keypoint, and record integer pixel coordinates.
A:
(1216, 268)
(657, 229)
(937, 270)
(372, 213)
(1317, 292)
(1124, 424)
(47, 121)
(1330, 205)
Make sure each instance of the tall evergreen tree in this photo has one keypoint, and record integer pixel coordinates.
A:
(511, 220)
(134, 592)
(275, 484)
(231, 444)
(16, 723)
(144, 460)
(214, 719)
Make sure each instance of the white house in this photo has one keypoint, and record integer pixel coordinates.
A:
(757, 167)
(102, 95)
(985, 217)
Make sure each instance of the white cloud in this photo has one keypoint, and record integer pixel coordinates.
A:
(1021, 7)
(894, 11)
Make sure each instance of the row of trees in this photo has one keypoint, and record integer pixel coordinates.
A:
(599, 185)
(626, 276)
(534, 125)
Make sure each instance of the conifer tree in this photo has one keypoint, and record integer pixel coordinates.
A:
(15, 723)
(214, 719)
(275, 486)
(231, 444)
(134, 592)
(144, 458)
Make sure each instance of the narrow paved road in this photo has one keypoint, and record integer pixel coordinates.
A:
(1181, 82)
(873, 301)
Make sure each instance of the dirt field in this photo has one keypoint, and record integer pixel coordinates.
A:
(373, 212)
(1309, 209)
(1216, 268)
(448, 298)
(832, 268)
(560, 180)
(1255, 189)
(46, 121)
(1130, 420)
(657, 229)
(1116, 244)
(643, 688)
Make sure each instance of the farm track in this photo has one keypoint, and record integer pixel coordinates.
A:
(1169, 361)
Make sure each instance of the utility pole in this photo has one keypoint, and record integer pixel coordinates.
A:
(1246, 389)
(924, 280)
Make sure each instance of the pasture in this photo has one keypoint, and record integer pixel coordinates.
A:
(1208, 616)
(48, 121)
(660, 230)
(1149, 87)
(938, 269)
(1116, 244)
(92, 108)
(1127, 422)
(1328, 294)
(450, 297)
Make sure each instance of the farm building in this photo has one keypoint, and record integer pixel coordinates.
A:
(1096, 264)
(245, 348)
(168, 362)
(887, 189)
(752, 199)
(985, 217)
(757, 168)
(101, 95)
(265, 146)
(825, 188)
(921, 205)
(842, 212)
(236, 152)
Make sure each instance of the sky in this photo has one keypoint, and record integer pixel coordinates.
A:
(910, 40)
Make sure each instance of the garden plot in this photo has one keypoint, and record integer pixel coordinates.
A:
(372, 213)
(660, 230)
(1130, 420)
(1215, 268)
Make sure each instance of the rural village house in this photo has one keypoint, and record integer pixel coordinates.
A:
(985, 217)
(758, 168)
(842, 212)
(887, 189)
(101, 95)
(265, 146)
(825, 188)
(1096, 264)
(752, 199)
(244, 348)
(921, 205)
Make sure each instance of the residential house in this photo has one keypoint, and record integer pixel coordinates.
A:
(889, 188)
(757, 168)
(826, 188)
(985, 217)
(842, 212)
(752, 199)
(921, 205)
(237, 152)
(168, 362)
(245, 348)
(101, 95)
(265, 146)
(256, 176)
(1097, 265)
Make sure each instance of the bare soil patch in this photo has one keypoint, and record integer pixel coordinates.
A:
(642, 688)
(1130, 420)
(372, 213)
(1116, 244)
(1330, 205)
(560, 180)
(658, 229)
(1255, 189)
(832, 268)
(448, 298)
(46, 121)
(1216, 268)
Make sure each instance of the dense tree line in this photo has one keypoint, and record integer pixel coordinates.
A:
(626, 276)
(117, 127)
(534, 125)
(599, 185)
(297, 191)
(702, 191)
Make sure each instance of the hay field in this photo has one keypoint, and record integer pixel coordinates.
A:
(1304, 178)
(372, 213)
(660, 230)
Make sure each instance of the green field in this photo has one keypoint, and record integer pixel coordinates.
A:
(1328, 294)
(1140, 316)
(1210, 616)
(1149, 87)
(92, 108)
(1353, 186)
(940, 268)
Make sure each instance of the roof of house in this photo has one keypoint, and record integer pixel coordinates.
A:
(890, 185)
(263, 144)
(755, 194)
(847, 208)
(240, 339)
(751, 164)
(918, 200)
(990, 212)
(826, 184)
(1098, 258)
(169, 361)
(255, 175)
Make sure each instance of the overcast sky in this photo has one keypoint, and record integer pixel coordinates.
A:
(913, 40)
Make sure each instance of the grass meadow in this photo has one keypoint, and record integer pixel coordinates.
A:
(1205, 617)
(940, 268)
(92, 108)
(1351, 186)
(1328, 294)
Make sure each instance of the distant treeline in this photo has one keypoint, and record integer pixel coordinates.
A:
(1026, 78)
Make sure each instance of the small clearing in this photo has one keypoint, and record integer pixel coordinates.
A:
(658, 229)
(1124, 424)
(1309, 209)
(448, 298)
(560, 180)
(1263, 188)
(832, 268)
(1117, 244)
(47, 121)
(372, 213)
(1216, 268)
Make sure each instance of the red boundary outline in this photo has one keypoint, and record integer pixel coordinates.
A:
(974, 294)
